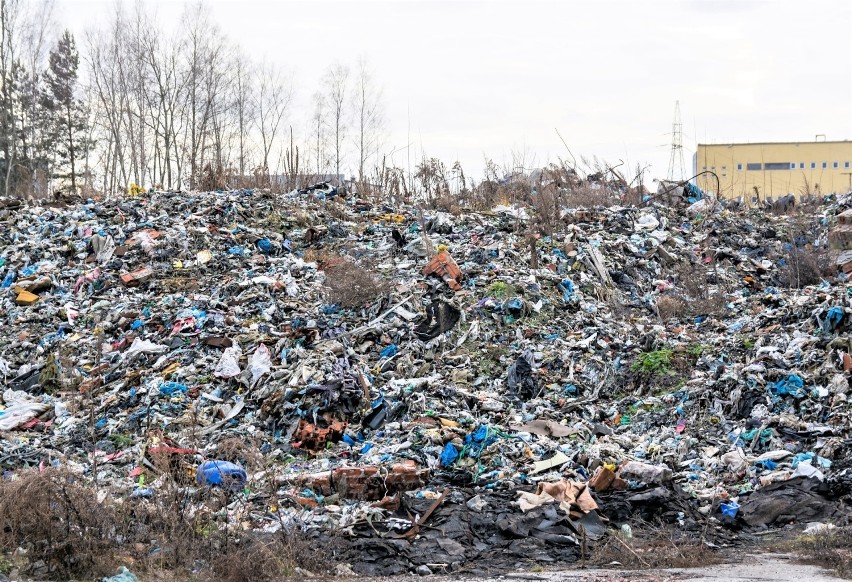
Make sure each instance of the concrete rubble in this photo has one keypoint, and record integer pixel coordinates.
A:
(494, 401)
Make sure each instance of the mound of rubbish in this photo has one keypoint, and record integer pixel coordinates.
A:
(433, 392)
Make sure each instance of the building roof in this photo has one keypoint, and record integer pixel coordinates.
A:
(775, 143)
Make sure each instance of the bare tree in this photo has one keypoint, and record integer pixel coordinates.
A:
(173, 111)
(272, 99)
(165, 97)
(36, 35)
(318, 135)
(106, 49)
(368, 115)
(199, 52)
(337, 81)
(243, 78)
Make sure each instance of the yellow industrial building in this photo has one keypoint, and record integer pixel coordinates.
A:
(756, 171)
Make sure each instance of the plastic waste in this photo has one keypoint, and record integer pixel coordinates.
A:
(222, 474)
(123, 575)
(729, 508)
(261, 363)
(229, 362)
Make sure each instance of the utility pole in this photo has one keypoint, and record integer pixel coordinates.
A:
(676, 165)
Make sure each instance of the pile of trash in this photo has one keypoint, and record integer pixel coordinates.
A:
(503, 395)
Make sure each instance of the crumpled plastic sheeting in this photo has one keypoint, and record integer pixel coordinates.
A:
(520, 378)
(799, 499)
(104, 247)
(21, 408)
(140, 346)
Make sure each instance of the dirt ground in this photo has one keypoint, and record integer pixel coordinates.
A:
(752, 568)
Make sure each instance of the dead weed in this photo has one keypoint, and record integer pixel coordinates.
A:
(352, 286)
(68, 528)
(828, 548)
(652, 549)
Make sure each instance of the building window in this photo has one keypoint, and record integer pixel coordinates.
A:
(824, 165)
(845, 164)
(703, 167)
(776, 166)
(739, 166)
(813, 165)
(835, 164)
(753, 166)
(792, 165)
(724, 167)
(802, 165)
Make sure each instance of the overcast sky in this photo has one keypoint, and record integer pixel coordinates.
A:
(476, 79)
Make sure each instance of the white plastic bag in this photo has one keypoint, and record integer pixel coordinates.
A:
(261, 363)
(229, 364)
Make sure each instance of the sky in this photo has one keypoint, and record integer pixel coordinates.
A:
(465, 80)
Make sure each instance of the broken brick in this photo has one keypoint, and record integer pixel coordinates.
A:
(370, 483)
(314, 438)
(137, 277)
(217, 342)
(443, 266)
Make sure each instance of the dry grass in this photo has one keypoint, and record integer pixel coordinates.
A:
(69, 529)
(59, 522)
(828, 548)
(592, 196)
(269, 558)
(806, 266)
(240, 451)
(352, 286)
(670, 307)
(336, 210)
(654, 549)
(692, 295)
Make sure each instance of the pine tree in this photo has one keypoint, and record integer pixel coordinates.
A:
(69, 123)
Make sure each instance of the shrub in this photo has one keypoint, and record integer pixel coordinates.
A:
(653, 363)
(352, 286)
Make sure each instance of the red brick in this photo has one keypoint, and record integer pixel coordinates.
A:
(314, 438)
(137, 277)
(367, 483)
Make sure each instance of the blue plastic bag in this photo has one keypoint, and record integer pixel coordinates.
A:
(729, 508)
(792, 385)
(449, 455)
(265, 246)
(389, 351)
(799, 457)
(124, 575)
(515, 304)
(169, 388)
(832, 319)
(222, 474)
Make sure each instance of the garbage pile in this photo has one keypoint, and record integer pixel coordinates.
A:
(438, 391)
